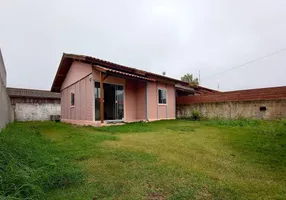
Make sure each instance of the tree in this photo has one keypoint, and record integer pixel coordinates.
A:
(189, 78)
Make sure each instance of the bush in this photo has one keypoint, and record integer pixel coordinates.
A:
(196, 115)
(31, 165)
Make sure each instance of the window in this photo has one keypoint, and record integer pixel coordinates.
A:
(162, 96)
(72, 99)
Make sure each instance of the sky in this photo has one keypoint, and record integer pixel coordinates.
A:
(175, 36)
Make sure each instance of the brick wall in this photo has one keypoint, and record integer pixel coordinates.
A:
(236, 104)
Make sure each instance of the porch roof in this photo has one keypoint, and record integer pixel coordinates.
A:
(125, 74)
(67, 60)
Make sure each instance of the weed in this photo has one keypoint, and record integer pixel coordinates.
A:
(196, 115)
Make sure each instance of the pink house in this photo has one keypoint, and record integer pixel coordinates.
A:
(129, 94)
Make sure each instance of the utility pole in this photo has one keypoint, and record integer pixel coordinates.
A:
(199, 76)
(217, 85)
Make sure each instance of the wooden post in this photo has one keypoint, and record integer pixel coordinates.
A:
(101, 98)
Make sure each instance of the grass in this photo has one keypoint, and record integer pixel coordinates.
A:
(179, 159)
(31, 165)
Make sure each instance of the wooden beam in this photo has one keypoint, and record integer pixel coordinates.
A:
(101, 98)
(105, 77)
(99, 68)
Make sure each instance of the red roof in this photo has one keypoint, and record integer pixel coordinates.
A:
(238, 95)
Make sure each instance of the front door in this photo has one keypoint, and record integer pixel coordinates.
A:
(113, 101)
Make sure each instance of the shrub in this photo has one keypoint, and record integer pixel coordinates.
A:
(196, 115)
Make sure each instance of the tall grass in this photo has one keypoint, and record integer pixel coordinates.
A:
(31, 165)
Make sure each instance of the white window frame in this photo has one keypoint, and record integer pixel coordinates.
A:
(163, 89)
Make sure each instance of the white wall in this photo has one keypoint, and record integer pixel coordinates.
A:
(36, 111)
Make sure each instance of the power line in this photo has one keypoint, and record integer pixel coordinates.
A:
(249, 62)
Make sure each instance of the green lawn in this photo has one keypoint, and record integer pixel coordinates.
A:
(177, 159)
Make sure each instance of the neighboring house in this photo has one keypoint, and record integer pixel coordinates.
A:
(129, 94)
(34, 105)
(200, 90)
(184, 90)
(187, 90)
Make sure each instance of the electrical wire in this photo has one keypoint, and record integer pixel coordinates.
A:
(247, 63)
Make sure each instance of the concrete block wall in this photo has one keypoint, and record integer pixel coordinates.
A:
(36, 111)
(236, 104)
(275, 109)
(6, 111)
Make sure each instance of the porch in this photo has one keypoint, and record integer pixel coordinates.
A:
(124, 96)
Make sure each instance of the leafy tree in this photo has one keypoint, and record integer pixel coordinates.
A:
(190, 79)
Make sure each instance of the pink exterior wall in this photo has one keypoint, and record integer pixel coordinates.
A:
(76, 72)
(157, 111)
(78, 82)
(152, 101)
(162, 111)
(141, 100)
(130, 101)
(135, 101)
(171, 101)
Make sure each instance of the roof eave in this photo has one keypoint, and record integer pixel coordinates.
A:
(96, 61)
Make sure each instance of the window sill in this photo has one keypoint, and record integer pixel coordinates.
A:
(71, 106)
(162, 104)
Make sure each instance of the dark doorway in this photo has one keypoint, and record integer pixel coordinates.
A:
(113, 97)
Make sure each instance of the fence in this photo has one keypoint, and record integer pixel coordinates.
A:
(264, 103)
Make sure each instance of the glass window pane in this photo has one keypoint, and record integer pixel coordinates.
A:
(72, 99)
(162, 96)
